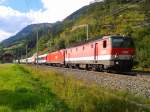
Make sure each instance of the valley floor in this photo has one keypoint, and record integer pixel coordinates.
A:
(29, 89)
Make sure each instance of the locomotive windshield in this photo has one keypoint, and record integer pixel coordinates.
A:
(122, 42)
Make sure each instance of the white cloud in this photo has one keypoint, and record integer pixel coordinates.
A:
(8, 12)
(4, 35)
(56, 10)
(12, 20)
(59, 9)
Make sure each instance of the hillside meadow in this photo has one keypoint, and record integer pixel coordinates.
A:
(25, 88)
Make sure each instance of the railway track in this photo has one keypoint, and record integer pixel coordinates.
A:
(132, 73)
(135, 82)
(140, 73)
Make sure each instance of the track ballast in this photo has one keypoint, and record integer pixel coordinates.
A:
(137, 83)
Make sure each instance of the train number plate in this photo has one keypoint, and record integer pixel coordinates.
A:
(125, 52)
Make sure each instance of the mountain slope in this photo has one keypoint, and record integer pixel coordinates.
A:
(110, 17)
(24, 33)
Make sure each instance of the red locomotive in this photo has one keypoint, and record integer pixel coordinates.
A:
(108, 53)
(56, 58)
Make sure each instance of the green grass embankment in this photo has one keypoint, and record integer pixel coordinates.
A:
(26, 88)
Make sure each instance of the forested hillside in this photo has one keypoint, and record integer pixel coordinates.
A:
(25, 34)
(109, 17)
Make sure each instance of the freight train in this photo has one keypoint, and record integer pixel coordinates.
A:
(108, 53)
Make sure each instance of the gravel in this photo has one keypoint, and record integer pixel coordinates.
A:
(137, 84)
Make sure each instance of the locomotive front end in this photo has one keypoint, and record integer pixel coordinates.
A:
(122, 53)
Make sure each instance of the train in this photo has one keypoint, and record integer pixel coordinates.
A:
(106, 53)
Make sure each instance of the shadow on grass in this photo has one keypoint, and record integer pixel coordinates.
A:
(119, 105)
(23, 99)
(25, 71)
(19, 99)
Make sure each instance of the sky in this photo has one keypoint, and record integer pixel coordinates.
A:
(17, 14)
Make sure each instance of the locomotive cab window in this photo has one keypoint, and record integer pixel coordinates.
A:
(104, 44)
(122, 42)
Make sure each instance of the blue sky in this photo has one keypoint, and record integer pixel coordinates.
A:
(24, 5)
(17, 14)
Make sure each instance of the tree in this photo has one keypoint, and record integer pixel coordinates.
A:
(128, 31)
(146, 9)
(1, 53)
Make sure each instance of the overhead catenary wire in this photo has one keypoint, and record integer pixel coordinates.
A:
(37, 32)
(19, 53)
(117, 11)
(28, 8)
(37, 38)
(142, 25)
(27, 5)
(126, 7)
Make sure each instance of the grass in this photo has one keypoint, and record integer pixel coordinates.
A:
(142, 69)
(28, 89)
(20, 92)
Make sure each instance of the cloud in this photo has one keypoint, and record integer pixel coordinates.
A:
(8, 12)
(2, 1)
(59, 9)
(4, 35)
(12, 21)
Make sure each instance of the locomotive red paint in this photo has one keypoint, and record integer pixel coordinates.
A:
(110, 52)
(56, 57)
(103, 54)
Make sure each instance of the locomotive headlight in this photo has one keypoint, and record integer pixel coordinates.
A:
(116, 62)
(116, 56)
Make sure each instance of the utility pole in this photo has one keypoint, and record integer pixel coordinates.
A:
(50, 35)
(85, 26)
(26, 53)
(87, 32)
(37, 48)
(20, 53)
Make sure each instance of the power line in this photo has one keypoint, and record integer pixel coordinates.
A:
(126, 7)
(142, 25)
(81, 26)
(26, 46)
(120, 9)
(37, 37)
(37, 48)
(117, 11)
